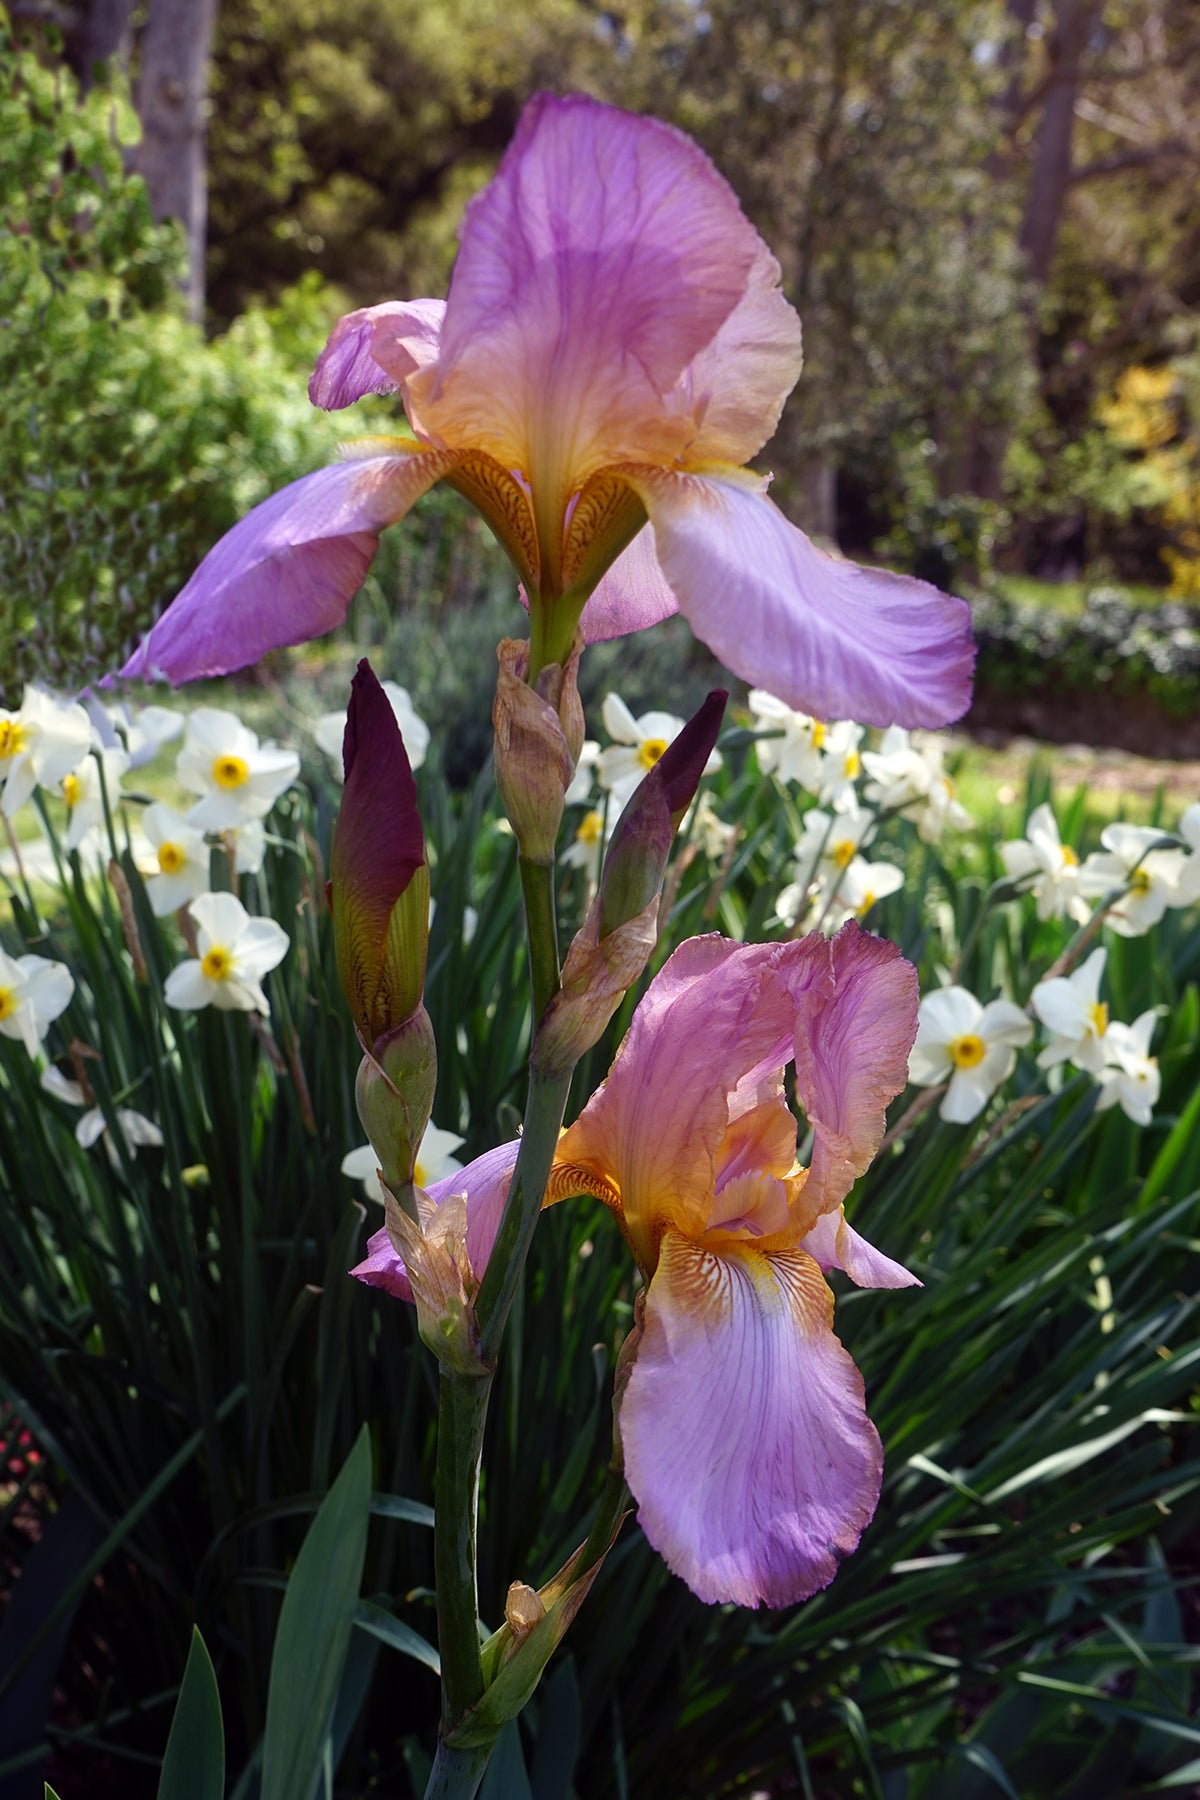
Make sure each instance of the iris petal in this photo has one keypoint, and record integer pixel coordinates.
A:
(831, 638)
(288, 570)
(747, 1444)
(604, 256)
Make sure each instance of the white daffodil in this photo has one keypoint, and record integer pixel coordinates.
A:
(33, 992)
(897, 772)
(330, 728)
(586, 849)
(705, 826)
(236, 951)
(1128, 861)
(141, 735)
(854, 890)
(181, 857)
(136, 1130)
(222, 762)
(971, 1045)
(829, 842)
(84, 792)
(1187, 890)
(1055, 866)
(638, 745)
(841, 766)
(247, 845)
(1130, 1079)
(794, 756)
(579, 790)
(435, 1158)
(941, 807)
(39, 744)
(1071, 1009)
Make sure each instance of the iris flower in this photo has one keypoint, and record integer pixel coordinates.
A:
(747, 1443)
(615, 346)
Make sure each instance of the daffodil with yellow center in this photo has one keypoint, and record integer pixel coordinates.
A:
(234, 953)
(237, 779)
(1070, 1008)
(968, 1046)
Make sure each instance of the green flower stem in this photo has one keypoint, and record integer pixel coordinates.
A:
(543, 1121)
(537, 886)
(456, 1774)
(463, 1399)
(462, 1410)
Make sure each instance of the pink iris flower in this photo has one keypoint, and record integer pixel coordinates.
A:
(614, 348)
(747, 1443)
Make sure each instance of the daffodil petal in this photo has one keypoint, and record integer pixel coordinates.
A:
(829, 637)
(288, 570)
(747, 1443)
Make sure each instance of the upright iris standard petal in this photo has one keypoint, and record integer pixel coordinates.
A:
(288, 571)
(373, 350)
(606, 254)
(853, 1060)
(747, 1443)
(829, 637)
(712, 1024)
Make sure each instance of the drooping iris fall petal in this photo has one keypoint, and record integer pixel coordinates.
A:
(747, 1443)
(827, 636)
(288, 571)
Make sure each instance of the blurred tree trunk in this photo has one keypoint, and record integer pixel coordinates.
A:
(175, 46)
(1074, 22)
(103, 31)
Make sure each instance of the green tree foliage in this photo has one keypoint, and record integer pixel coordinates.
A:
(130, 444)
(347, 135)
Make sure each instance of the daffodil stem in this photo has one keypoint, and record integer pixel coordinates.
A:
(462, 1410)
(537, 886)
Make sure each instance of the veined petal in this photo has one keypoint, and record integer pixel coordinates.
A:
(739, 382)
(288, 570)
(852, 1059)
(631, 595)
(604, 256)
(346, 368)
(834, 1244)
(829, 637)
(485, 1183)
(747, 1444)
(717, 1018)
